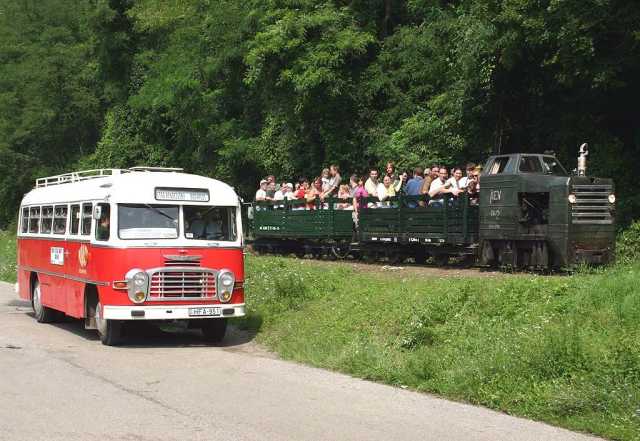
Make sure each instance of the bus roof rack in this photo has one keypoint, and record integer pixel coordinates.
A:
(83, 175)
(157, 169)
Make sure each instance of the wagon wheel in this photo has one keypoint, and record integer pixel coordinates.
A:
(341, 252)
(420, 257)
(441, 259)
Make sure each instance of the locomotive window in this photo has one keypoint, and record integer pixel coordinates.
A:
(530, 164)
(24, 227)
(75, 219)
(60, 219)
(34, 219)
(87, 214)
(499, 164)
(552, 166)
(47, 220)
(210, 223)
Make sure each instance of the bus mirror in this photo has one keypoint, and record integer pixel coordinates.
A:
(97, 212)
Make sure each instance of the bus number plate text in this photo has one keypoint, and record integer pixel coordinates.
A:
(204, 312)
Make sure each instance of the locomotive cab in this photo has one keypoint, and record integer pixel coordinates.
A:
(534, 214)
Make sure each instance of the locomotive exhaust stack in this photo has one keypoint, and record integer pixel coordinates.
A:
(582, 159)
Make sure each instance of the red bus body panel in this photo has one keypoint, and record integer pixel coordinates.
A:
(63, 286)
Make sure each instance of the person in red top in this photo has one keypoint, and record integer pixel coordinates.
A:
(315, 192)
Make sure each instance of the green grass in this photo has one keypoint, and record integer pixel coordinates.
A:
(562, 349)
(7, 256)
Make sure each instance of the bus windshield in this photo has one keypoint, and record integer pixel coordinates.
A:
(209, 223)
(143, 221)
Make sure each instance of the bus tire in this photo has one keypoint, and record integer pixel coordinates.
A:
(42, 313)
(110, 331)
(213, 330)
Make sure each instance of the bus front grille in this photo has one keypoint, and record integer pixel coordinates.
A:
(592, 204)
(182, 284)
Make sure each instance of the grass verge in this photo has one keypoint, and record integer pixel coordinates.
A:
(7, 256)
(562, 349)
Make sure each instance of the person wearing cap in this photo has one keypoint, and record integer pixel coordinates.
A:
(289, 195)
(261, 194)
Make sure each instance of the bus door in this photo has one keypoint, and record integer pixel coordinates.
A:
(78, 253)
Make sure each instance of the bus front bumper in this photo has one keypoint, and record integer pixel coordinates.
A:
(173, 312)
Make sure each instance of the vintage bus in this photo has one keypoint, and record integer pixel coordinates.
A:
(146, 243)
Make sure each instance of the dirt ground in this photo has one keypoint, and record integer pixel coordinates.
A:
(410, 269)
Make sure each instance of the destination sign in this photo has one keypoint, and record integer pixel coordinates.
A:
(182, 194)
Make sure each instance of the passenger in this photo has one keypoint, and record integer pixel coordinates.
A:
(359, 194)
(271, 179)
(387, 191)
(353, 184)
(289, 195)
(261, 194)
(431, 175)
(271, 190)
(454, 181)
(395, 179)
(324, 177)
(439, 188)
(469, 174)
(314, 192)
(301, 192)
(402, 183)
(344, 194)
(280, 195)
(372, 183)
(334, 180)
(414, 185)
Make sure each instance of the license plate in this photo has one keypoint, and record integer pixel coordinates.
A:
(204, 312)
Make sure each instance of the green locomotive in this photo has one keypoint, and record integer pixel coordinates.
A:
(531, 214)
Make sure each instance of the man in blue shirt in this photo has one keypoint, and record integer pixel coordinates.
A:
(414, 186)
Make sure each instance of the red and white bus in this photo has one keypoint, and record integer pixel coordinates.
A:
(146, 243)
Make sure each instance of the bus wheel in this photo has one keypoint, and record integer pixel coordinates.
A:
(43, 314)
(213, 330)
(110, 330)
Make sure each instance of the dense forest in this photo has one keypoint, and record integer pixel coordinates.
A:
(238, 88)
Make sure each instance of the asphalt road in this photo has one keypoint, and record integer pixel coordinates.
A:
(58, 382)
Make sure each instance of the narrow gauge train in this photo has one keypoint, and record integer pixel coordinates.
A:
(531, 214)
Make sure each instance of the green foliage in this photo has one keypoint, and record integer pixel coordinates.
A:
(236, 89)
(628, 244)
(562, 349)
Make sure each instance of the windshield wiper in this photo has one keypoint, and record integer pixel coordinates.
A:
(157, 210)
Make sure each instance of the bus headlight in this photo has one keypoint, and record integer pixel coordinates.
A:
(612, 198)
(572, 198)
(138, 285)
(226, 280)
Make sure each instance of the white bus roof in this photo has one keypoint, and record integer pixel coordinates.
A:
(135, 186)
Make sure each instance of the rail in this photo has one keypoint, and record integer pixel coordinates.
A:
(84, 175)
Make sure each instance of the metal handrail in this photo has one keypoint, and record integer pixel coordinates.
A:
(82, 175)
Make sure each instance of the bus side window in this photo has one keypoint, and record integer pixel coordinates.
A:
(75, 218)
(34, 219)
(103, 226)
(25, 220)
(60, 219)
(47, 220)
(87, 213)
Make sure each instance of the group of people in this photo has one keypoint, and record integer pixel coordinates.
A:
(431, 184)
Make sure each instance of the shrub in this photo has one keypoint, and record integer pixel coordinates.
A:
(628, 244)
